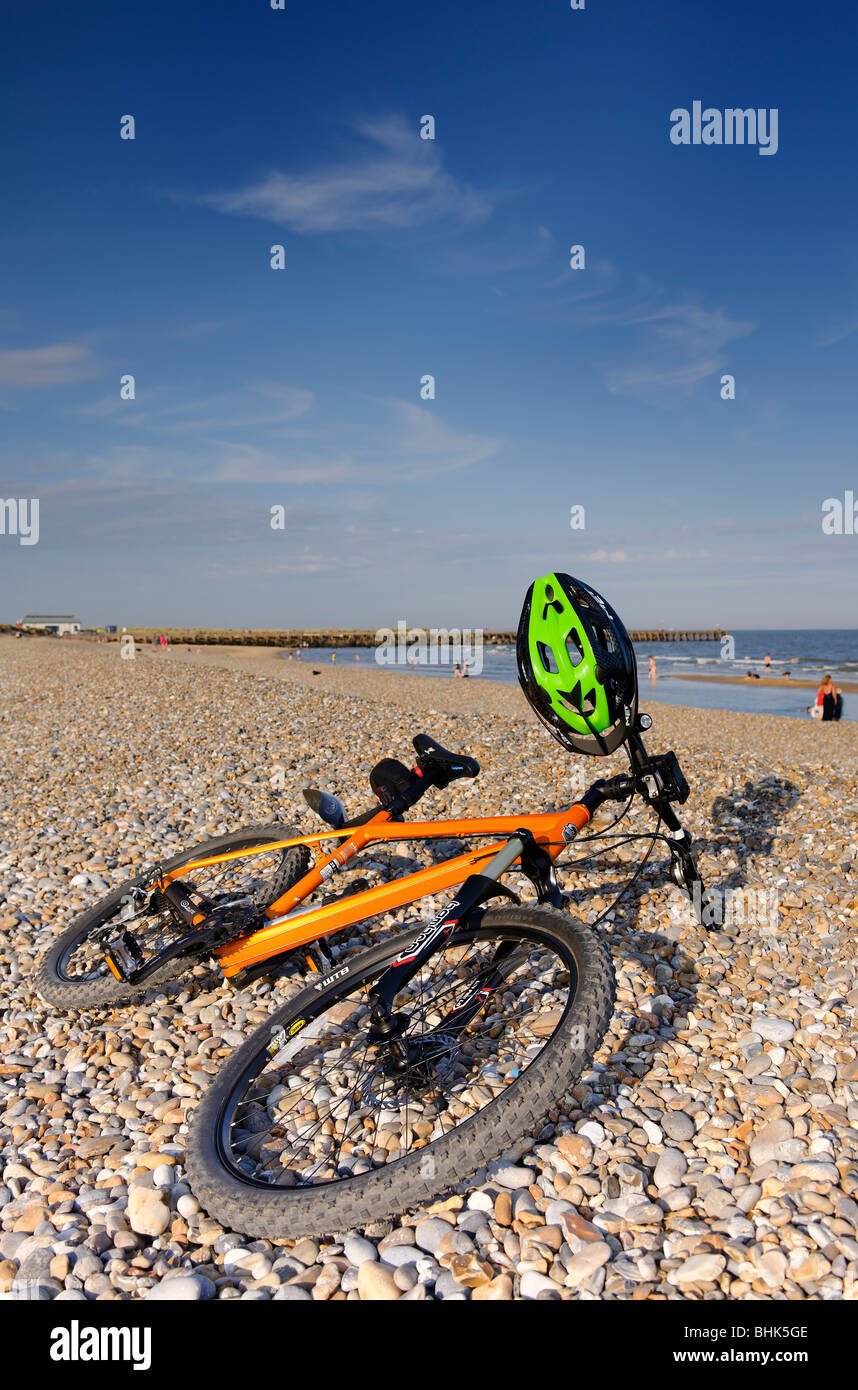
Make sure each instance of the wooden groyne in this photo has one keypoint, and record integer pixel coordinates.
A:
(712, 634)
(350, 637)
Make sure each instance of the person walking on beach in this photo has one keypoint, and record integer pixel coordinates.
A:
(457, 670)
(652, 668)
(768, 661)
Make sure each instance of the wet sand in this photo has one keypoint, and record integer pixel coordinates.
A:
(780, 682)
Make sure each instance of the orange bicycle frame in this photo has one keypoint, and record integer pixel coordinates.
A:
(288, 929)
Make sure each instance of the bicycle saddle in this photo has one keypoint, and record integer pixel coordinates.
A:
(453, 764)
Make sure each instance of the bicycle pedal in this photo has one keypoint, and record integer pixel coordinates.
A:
(317, 960)
(123, 956)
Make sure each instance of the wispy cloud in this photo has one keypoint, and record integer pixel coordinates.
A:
(608, 557)
(680, 341)
(166, 410)
(310, 562)
(252, 463)
(401, 184)
(659, 341)
(694, 329)
(195, 438)
(425, 444)
(504, 254)
(409, 444)
(844, 329)
(261, 404)
(61, 364)
(639, 379)
(203, 328)
(682, 556)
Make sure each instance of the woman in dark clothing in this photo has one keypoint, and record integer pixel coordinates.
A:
(827, 697)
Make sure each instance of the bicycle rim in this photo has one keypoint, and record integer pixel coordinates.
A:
(320, 1104)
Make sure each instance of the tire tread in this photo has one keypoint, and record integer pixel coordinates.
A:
(286, 1214)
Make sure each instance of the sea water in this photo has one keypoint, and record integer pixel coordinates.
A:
(808, 655)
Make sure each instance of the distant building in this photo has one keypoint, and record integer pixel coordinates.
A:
(60, 623)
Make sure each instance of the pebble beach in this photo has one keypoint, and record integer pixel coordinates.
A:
(711, 1151)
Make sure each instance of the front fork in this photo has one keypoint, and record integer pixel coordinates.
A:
(389, 1028)
(683, 866)
(659, 780)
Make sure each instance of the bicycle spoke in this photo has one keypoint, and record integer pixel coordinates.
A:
(350, 1106)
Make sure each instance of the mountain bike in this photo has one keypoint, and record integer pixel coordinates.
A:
(403, 1068)
(240, 898)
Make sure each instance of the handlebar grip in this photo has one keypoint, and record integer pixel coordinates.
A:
(618, 788)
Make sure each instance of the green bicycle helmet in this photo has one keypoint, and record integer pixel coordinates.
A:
(576, 665)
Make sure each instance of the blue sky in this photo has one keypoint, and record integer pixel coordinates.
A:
(301, 388)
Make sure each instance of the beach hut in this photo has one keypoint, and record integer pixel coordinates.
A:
(60, 623)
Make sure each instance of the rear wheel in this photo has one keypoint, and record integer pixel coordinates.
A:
(73, 973)
(310, 1127)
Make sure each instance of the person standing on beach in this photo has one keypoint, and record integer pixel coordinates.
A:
(333, 657)
(457, 670)
(827, 697)
(768, 661)
(652, 668)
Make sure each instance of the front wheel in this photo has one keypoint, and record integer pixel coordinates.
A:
(312, 1127)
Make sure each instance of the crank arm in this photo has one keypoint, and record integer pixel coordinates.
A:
(124, 958)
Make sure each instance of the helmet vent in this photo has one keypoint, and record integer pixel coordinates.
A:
(574, 650)
(546, 656)
(574, 700)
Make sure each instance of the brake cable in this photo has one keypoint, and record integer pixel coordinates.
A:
(635, 876)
